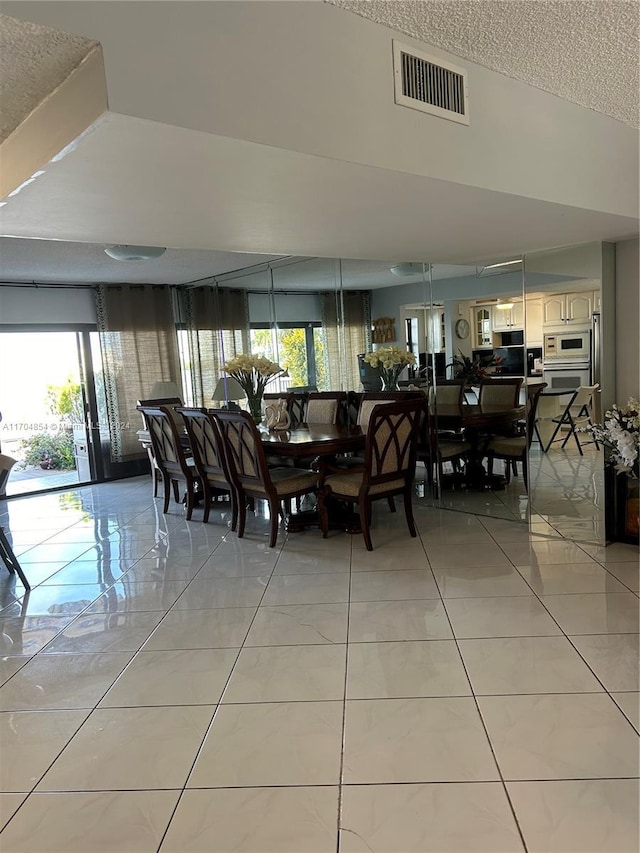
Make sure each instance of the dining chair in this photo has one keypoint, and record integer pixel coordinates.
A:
(209, 458)
(388, 470)
(514, 449)
(169, 455)
(170, 403)
(500, 392)
(505, 393)
(324, 407)
(6, 464)
(251, 475)
(576, 415)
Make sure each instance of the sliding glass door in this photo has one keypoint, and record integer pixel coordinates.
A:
(48, 407)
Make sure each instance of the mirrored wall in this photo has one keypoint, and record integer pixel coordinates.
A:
(317, 315)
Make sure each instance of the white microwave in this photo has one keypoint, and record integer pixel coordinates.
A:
(567, 346)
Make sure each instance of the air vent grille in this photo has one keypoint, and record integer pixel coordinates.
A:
(431, 85)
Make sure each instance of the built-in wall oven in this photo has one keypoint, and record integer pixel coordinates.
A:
(564, 375)
(574, 346)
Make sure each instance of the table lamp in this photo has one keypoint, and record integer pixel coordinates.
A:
(164, 391)
(229, 389)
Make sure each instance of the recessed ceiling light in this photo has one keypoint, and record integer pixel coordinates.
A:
(134, 253)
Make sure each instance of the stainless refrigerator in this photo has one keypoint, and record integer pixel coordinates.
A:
(596, 364)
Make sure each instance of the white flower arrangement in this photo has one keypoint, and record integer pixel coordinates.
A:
(390, 361)
(621, 434)
(253, 373)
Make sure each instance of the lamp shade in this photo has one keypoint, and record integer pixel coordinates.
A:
(227, 389)
(164, 390)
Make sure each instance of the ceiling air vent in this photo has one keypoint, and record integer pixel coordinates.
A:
(431, 85)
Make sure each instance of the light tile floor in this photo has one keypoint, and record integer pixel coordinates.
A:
(168, 687)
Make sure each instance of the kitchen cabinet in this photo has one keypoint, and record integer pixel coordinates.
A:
(482, 329)
(566, 309)
(505, 319)
(534, 323)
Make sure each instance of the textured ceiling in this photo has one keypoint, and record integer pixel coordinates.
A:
(582, 51)
(34, 60)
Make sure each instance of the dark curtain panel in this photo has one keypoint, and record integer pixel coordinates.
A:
(216, 322)
(139, 347)
(346, 320)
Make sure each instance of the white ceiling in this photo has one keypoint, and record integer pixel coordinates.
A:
(257, 200)
(584, 51)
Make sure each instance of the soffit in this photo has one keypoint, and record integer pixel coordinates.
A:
(34, 61)
(583, 51)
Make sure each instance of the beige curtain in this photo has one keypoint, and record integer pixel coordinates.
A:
(139, 347)
(216, 323)
(346, 320)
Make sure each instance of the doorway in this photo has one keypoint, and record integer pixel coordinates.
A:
(46, 405)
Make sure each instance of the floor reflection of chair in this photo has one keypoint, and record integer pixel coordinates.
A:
(207, 446)
(388, 470)
(251, 475)
(169, 455)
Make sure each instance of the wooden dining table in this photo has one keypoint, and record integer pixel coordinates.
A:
(479, 422)
(309, 440)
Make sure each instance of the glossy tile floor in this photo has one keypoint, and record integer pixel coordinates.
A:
(168, 687)
(566, 489)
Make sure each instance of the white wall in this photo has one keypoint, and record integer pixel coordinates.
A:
(310, 77)
(34, 305)
(627, 321)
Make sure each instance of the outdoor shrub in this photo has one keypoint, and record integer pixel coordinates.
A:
(55, 451)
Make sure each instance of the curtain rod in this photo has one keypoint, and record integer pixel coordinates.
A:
(38, 284)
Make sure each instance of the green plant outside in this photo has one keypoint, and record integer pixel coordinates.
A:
(49, 451)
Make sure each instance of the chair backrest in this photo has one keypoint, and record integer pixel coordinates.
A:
(447, 394)
(6, 464)
(369, 400)
(580, 403)
(391, 443)
(165, 439)
(245, 454)
(206, 443)
(324, 407)
(500, 392)
(169, 403)
(296, 403)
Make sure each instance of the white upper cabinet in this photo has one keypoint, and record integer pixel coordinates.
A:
(482, 329)
(534, 323)
(505, 319)
(567, 309)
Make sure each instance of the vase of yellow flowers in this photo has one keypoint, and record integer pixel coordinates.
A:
(390, 362)
(253, 373)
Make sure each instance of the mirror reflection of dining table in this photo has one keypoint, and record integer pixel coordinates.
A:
(479, 422)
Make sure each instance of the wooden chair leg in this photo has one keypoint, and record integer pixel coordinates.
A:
(392, 504)
(365, 520)
(176, 491)
(323, 515)
(274, 518)
(234, 507)
(408, 511)
(191, 501)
